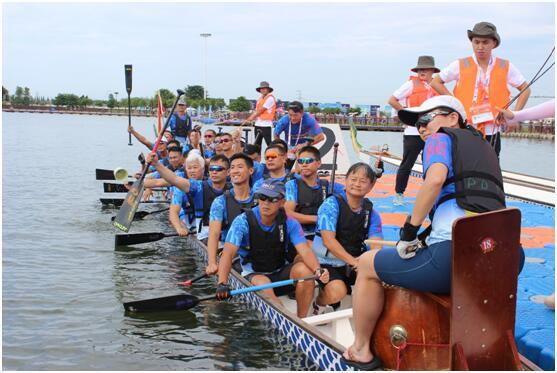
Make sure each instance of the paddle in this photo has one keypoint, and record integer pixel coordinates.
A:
(137, 238)
(102, 174)
(128, 72)
(125, 216)
(121, 188)
(335, 151)
(380, 242)
(186, 301)
(141, 214)
(120, 202)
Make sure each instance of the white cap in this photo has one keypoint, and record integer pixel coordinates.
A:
(409, 116)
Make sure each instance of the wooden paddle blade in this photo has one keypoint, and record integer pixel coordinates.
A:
(171, 303)
(115, 188)
(126, 213)
(137, 238)
(102, 174)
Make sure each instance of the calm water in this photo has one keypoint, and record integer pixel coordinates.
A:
(64, 284)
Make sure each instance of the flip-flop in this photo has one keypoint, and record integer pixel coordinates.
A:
(374, 364)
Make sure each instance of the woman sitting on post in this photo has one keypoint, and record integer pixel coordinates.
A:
(453, 153)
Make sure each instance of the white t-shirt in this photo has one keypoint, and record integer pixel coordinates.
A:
(401, 95)
(452, 73)
(269, 103)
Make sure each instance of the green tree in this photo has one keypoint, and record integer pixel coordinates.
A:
(111, 101)
(84, 101)
(167, 98)
(27, 96)
(5, 94)
(195, 92)
(99, 103)
(313, 109)
(240, 104)
(355, 110)
(331, 110)
(17, 98)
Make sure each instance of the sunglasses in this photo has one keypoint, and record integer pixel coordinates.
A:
(425, 119)
(265, 198)
(209, 136)
(216, 168)
(271, 156)
(222, 141)
(306, 160)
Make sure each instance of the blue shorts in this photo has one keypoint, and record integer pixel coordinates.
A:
(429, 270)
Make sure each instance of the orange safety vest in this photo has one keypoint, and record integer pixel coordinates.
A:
(420, 92)
(266, 115)
(499, 94)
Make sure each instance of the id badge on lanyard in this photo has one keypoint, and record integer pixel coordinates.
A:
(481, 111)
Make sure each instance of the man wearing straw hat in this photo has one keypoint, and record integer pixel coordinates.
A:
(264, 113)
(412, 93)
(481, 89)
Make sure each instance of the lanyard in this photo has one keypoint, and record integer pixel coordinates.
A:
(290, 130)
(484, 82)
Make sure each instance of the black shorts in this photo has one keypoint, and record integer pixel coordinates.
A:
(343, 273)
(280, 275)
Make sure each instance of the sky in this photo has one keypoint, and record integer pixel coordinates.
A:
(357, 53)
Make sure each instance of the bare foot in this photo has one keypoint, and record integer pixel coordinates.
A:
(351, 354)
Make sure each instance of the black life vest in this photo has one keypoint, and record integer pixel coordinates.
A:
(477, 174)
(189, 208)
(183, 126)
(267, 250)
(209, 194)
(352, 228)
(234, 208)
(310, 199)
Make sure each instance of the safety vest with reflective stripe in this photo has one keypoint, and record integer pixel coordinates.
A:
(420, 92)
(499, 93)
(266, 115)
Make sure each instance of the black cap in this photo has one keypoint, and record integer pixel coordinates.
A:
(296, 106)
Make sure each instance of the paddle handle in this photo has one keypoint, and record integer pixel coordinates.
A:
(333, 172)
(195, 279)
(380, 242)
(273, 285)
(128, 73)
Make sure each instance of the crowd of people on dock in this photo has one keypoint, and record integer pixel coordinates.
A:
(277, 212)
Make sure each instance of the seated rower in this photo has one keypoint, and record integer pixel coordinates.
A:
(202, 193)
(175, 164)
(209, 138)
(275, 161)
(344, 222)
(454, 154)
(261, 236)
(305, 195)
(227, 207)
(194, 137)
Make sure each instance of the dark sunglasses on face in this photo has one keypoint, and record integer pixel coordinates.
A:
(265, 198)
(425, 119)
(222, 141)
(306, 160)
(216, 168)
(209, 136)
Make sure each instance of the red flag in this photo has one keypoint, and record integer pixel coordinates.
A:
(160, 113)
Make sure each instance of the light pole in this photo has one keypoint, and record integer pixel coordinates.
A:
(116, 94)
(205, 36)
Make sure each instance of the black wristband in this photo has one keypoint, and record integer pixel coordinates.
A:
(408, 232)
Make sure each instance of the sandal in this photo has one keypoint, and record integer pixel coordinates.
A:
(374, 364)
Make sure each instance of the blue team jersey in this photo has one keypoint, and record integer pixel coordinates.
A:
(438, 149)
(238, 235)
(258, 169)
(293, 132)
(327, 218)
(196, 192)
(172, 123)
(258, 183)
(219, 213)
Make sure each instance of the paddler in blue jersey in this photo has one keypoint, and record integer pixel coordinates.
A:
(261, 237)
(201, 192)
(227, 207)
(275, 165)
(175, 164)
(344, 222)
(305, 195)
(180, 123)
(298, 126)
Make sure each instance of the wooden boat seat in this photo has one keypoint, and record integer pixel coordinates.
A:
(472, 329)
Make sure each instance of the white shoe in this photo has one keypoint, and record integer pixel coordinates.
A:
(319, 310)
(399, 200)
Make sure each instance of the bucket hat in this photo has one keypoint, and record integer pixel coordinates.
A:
(485, 30)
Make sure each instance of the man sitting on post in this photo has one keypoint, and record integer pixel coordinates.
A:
(261, 236)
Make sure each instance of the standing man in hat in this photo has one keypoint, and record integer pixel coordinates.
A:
(412, 93)
(180, 123)
(481, 89)
(264, 113)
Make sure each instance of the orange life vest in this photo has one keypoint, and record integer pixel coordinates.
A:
(499, 93)
(266, 115)
(420, 92)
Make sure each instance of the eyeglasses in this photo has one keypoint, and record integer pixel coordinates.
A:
(271, 156)
(216, 168)
(265, 198)
(209, 136)
(222, 141)
(425, 119)
(306, 160)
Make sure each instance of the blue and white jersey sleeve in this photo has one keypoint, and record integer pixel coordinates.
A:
(238, 233)
(375, 226)
(327, 215)
(295, 231)
(217, 209)
(177, 197)
(339, 189)
(257, 184)
(172, 124)
(281, 125)
(314, 127)
(258, 169)
(291, 191)
(196, 186)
